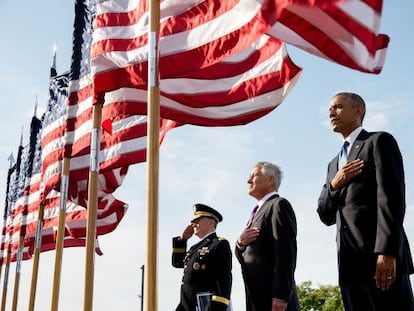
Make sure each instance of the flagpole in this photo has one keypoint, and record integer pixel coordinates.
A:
(60, 234)
(9, 250)
(152, 157)
(36, 254)
(64, 181)
(6, 280)
(92, 206)
(17, 275)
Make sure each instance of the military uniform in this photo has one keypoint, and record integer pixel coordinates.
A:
(207, 268)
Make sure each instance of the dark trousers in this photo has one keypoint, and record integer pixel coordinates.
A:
(358, 295)
(264, 303)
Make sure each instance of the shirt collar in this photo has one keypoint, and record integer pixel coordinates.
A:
(205, 236)
(353, 136)
(265, 198)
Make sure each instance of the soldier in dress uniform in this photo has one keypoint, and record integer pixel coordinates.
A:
(207, 264)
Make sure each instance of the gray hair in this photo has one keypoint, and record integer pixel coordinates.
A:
(270, 169)
(355, 100)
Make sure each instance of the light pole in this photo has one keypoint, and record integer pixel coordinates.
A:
(142, 287)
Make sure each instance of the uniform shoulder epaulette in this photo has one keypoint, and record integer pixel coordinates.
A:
(221, 239)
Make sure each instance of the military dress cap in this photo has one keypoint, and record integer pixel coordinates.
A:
(202, 210)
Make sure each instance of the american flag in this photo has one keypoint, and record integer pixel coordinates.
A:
(23, 217)
(198, 35)
(125, 145)
(67, 134)
(237, 90)
(14, 196)
(15, 190)
(4, 243)
(26, 203)
(52, 141)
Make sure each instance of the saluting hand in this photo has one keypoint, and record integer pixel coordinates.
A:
(346, 173)
(188, 232)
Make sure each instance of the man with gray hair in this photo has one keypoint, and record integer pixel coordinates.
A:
(267, 248)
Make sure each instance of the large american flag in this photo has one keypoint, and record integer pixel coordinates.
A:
(237, 90)
(198, 35)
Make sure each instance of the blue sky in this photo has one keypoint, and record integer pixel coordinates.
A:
(208, 165)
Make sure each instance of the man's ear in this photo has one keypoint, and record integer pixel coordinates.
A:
(270, 180)
(361, 112)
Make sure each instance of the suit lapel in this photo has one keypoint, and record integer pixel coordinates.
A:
(357, 145)
(353, 153)
(263, 208)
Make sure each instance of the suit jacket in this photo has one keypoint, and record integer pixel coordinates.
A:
(207, 268)
(369, 210)
(268, 264)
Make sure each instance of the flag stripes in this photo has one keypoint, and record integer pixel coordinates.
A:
(346, 33)
(237, 90)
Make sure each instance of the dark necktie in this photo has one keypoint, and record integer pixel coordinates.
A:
(252, 214)
(343, 154)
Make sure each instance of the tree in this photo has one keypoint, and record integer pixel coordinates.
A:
(324, 298)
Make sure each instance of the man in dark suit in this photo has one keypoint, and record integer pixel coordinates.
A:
(366, 199)
(267, 249)
(207, 264)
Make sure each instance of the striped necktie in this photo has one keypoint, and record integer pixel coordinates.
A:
(343, 154)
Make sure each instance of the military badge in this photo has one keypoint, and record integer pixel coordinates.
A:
(203, 251)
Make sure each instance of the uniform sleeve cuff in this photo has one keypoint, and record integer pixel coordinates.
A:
(220, 299)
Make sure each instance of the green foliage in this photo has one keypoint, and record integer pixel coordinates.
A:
(324, 298)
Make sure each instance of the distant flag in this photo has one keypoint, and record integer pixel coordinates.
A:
(25, 199)
(32, 165)
(25, 193)
(52, 142)
(21, 207)
(24, 217)
(15, 191)
(12, 168)
(53, 129)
